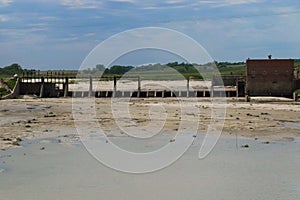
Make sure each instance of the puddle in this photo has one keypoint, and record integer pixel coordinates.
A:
(294, 125)
(37, 107)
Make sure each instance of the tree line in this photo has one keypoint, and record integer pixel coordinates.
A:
(13, 69)
(183, 68)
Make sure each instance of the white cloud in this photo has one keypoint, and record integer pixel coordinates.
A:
(168, 4)
(37, 27)
(19, 34)
(81, 4)
(5, 2)
(285, 10)
(192, 4)
(174, 1)
(235, 2)
(48, 18)
(165, 7)
(89, 34)
(239, 38)
(24, 36)
(124, 1)
(68, 39)
(242, 1)
(4, 18)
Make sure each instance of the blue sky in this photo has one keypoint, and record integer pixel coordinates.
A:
(59, 34)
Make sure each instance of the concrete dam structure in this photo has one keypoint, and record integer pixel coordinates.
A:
(117, 86)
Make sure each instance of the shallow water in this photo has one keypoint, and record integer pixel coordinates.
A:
(294, 125)
(50, 170)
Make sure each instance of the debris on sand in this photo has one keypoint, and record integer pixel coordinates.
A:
(13, 141)
(264, 113)
(50, 114)
(245, 146)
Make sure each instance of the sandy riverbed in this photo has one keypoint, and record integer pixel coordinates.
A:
(38, 118)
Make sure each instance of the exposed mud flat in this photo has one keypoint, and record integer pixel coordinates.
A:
(34, 118)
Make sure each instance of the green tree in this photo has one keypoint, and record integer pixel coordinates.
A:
(11, 70)
(100, 68)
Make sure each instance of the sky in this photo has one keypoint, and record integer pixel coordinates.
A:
(59, 34)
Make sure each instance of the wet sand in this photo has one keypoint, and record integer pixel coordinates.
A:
(35, 118)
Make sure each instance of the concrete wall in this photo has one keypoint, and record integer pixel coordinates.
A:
(231, 80)
(35, 89)
(227, 80)
(272, 77)
(15, 92)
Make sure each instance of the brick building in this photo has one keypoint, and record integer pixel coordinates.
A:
(270, 77)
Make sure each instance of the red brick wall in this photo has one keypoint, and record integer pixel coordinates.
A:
(270, 77)
(297, 84)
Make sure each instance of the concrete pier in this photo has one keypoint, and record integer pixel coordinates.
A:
(42, 87)
(91, 87)
(295, 97)
(66, 87)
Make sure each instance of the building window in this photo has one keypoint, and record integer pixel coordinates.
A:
(264, 73)
(276, 72)
(252, 73)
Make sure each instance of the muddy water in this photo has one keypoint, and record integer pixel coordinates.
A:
(294, 125)
(50, 170)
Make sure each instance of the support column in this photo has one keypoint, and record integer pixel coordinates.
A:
(42, 88)
(188, 87)
(139, 87)
(91, 87)
(295, 96)
(247, 98)
(66, 87)
(115, 86)
(17, 87)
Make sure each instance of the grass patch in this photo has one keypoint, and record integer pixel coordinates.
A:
(233, 70)
(3, 92)
(72, 82)
(297, 91)
(4, 76)
(11, 83)
(297, 62)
